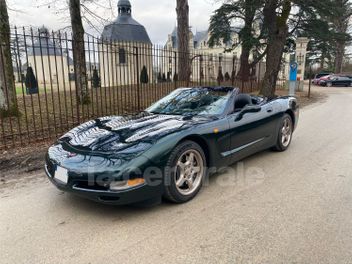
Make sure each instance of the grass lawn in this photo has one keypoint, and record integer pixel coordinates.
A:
(19, 90)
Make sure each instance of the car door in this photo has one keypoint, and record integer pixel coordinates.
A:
(253, 132)
(334, 81)
(345, 81)
(339, 81)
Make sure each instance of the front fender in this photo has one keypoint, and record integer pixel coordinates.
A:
(210, 133)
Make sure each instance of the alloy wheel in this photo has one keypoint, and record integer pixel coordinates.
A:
(189, 172)
(286, 132)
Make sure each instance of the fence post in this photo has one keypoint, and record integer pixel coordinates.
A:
(200, 69)
(176, 79)
(259, 73)
(233, 73)
(138, 84)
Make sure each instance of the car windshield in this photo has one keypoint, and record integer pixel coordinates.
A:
(199, 101)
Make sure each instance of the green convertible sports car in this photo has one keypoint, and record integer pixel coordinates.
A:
(168, 149)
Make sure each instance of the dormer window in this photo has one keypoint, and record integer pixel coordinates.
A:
(124, 7)
(124, 10)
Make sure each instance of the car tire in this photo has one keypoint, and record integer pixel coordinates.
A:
(181, 181)
(329, 84)
(285, 133)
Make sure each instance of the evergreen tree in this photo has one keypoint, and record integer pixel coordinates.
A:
(266, 27)
(168, 77)
(227, 76)
(328, 35)
(175, 77)
(341, 22)
(160, 77)
(31, 82)
(222, 31)
(233, 76)
(144, 75)
(95, 78)
(220, 78)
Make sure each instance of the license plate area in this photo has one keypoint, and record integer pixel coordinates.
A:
(61, 175)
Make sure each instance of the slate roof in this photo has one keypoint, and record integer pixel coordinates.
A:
(198, 38)
(44, 46)
(174, 38)
(125, 28)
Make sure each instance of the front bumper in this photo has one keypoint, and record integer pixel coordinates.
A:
(130, 196)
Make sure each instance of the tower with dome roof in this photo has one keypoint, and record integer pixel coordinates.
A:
(126, 48)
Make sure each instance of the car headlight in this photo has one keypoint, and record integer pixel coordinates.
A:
(124, 185)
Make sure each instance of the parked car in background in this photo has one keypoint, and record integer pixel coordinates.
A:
(318, 76)
(347, 75)
(337, 81)
(325, 78)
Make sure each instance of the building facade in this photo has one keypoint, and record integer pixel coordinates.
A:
(214, 58)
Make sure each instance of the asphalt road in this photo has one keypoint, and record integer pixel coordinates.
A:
(292, 207)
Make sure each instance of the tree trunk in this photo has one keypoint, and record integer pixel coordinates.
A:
(247, 43)
(277, 34)
(245, 71)
(341, 24)
(8, 100)
(322, 60)
(340, 52)
(182, 11)
(78, 53)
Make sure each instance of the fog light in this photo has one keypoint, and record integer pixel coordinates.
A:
(123, 185)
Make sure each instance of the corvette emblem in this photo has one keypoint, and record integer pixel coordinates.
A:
(70, 155)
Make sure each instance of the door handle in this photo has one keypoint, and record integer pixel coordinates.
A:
(270, 110)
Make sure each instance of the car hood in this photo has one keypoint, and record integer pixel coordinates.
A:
(124, 134)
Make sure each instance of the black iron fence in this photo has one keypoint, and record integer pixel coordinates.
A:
(120, 78)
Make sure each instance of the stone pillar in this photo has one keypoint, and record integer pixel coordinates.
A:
(301, 55)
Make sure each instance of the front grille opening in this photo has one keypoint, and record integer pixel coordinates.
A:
(109, 198)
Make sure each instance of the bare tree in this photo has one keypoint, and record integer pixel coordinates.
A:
(90, 11)
(79, 12)
(78, 52)
(182, 11)
(8, 100)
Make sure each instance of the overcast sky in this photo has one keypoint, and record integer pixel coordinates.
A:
(158, 16)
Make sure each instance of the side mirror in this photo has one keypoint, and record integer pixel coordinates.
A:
(248, 109)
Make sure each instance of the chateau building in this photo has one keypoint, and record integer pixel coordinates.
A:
(212, 60)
